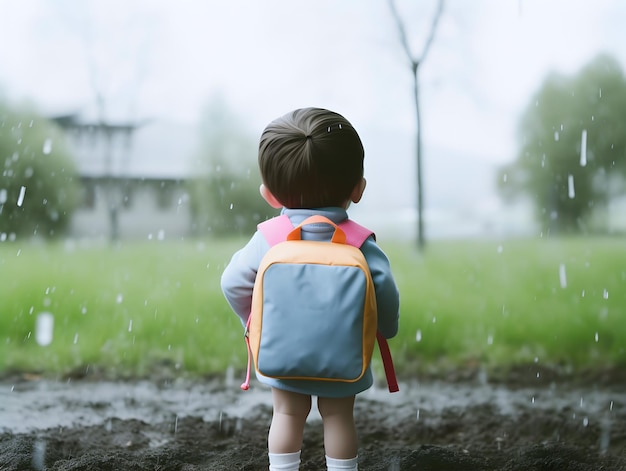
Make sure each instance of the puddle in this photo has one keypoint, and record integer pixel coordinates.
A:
(52, 424)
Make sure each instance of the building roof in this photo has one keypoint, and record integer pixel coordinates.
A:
(149, 149)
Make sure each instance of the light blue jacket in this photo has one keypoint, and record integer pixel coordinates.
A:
(238, 281)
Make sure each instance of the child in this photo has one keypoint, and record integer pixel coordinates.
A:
(311, 163)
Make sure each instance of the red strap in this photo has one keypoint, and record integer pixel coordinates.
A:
(390, 372)
(246, 384)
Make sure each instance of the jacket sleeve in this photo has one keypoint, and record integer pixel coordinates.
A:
(239, 275)
(387, 295)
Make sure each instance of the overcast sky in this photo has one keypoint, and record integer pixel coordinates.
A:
(162, 59)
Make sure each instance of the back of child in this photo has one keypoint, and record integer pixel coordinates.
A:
(311, 163)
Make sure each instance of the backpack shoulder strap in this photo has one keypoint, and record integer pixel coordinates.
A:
(275, 230)
(355, 233)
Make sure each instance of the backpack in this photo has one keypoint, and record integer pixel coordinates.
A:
(309, 296)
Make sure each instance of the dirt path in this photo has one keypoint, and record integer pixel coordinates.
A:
(212, 425)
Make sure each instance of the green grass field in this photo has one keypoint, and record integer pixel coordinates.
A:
(132, 309)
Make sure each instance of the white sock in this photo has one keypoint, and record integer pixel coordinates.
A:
(284, 461)
(334, 464)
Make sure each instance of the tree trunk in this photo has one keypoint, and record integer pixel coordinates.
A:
(421, 238)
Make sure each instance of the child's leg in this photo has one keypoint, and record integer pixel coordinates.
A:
(340, 440)
(287, 428)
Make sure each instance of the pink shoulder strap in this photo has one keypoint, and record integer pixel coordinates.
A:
(355, 233)
(275, 230)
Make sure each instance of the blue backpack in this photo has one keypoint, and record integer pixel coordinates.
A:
(321, 294)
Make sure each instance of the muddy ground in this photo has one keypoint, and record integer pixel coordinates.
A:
(529, 419)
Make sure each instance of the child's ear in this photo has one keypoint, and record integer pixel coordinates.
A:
(269, 197)
(357, 193)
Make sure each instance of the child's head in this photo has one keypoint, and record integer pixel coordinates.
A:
(311, 158)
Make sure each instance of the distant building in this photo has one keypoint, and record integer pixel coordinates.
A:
(133, 177)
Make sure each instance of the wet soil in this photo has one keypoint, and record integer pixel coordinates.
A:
(530, 421)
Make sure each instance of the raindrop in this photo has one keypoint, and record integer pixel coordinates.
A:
(490, 340)
(605, 294)
(434, 319)
(75, 338)
(39, 455)
(161, 234)
(47, 146)
(532, 400)
(500, 249)
(130, 326)
(583, 148)
(29, 172)
(83, 310)
(418, 335)
(230, 375)
(611, 406)
(20, 198)
(505, 177)
(417, 416)
(556, 136)
(231, 206)
(562, 276)
(570, 187)
(119, 298)
(43, 329)
(585, 422)
(597, 337)
(3, 196)
(605, 437)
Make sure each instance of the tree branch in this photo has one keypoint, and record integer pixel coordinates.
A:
(402, 33)
(433, 30)
(415, 61)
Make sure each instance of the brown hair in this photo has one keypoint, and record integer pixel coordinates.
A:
(311, 158)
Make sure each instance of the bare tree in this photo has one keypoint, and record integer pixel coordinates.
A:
(415, 62)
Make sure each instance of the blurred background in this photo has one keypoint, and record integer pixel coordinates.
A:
(128, 173)
(141, 119)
